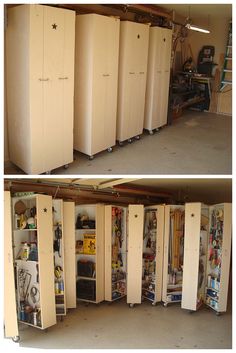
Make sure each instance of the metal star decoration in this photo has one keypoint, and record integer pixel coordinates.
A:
(45, 210)
(54, 26)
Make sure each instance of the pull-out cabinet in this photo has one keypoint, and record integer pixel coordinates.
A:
(207, 249)
(173, 254)
(153, 253)
(115, 252)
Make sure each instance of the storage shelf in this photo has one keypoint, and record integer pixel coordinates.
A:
(174, 293)
(87, 300)
(151, 300)
(85, 229)
(86, 278)
(25, 230)
(122, 296)
(211, 307)
(148, 290)
(215, 299)
(120, 280)
(29, 324)
(82, 254)
(29, 261)
(216, 290)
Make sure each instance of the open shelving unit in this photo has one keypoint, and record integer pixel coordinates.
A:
(33, 256)
(152, 253)
(115, 252)
(173, 254)
(89, 248)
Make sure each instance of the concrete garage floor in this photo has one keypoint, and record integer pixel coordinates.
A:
(196, 143)
(116, 325)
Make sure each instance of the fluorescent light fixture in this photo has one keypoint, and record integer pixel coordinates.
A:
(195, 28)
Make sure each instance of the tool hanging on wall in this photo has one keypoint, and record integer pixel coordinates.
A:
(57, 242)
(177, 239)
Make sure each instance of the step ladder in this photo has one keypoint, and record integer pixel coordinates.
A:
(226, 76)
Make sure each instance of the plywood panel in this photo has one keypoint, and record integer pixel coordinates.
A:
(159, 251)
(46, 265)
(70, 270)
(191, 255)
(108, 262)
(100, 286)
(135, 250)
(10, 314)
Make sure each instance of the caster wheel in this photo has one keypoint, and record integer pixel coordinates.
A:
(137, 137)
(121, 144)
(16, 339)
(154, 303)
(109, 149)
(151, 132)
(157, 129)
(191, 312)
(129, 140)
(165, 305)
(131, 305)
(217, 313)
(66, 166)
(61, 318)
(91, 158)
(48, 172)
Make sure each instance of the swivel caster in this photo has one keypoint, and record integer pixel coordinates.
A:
(131, 305)
(191, 311)
(121, 143)
(91, 158)
(129, 140)
(154, 303)
(66, 166)
(217, 313)
(109, 149)
(137, 137)
(16, 339)
(165, 305)
(157, 129)
(151, 132)
(61, 318)
(48, 172)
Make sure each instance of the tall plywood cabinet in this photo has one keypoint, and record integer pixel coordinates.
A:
(173, 254)
(133, 58)
(96, 78)
(153, 238)
(134, 256)
(207, 256)
(33, 255)
(158, 77)
(40, 86)
(115, 252)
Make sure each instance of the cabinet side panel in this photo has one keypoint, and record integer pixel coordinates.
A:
(149, 99)
(191, 255)
(46, 264)
(165, 253)
(225, 261)
(69, 241)
(17, 81)
(100, 253)
(83, 83)
(10, 315)
(135, 250)
(108, 263)
(159, 251)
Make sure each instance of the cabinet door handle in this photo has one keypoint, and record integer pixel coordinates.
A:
(131, 73)
(43, 79)
(105, 75)
(141, 72)
(62, 78)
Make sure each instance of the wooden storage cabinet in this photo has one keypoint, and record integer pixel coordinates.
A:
(33, 253)
(135, 251)
(96, 80)
(209, 255)
(89, 247)
(158, 77)
(173, 254)
(115, 252)
(133, 58)
(40, 86)
(153, 253)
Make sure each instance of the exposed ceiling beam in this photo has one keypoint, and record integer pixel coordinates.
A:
(109, 184)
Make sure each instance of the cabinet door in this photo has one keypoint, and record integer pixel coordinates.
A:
(105, 80)
(10, 315)
(69, 243)
(159, 250)
(45, 260)
(135, 250)
(99, 253)
(53, 100)
(191, 255)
